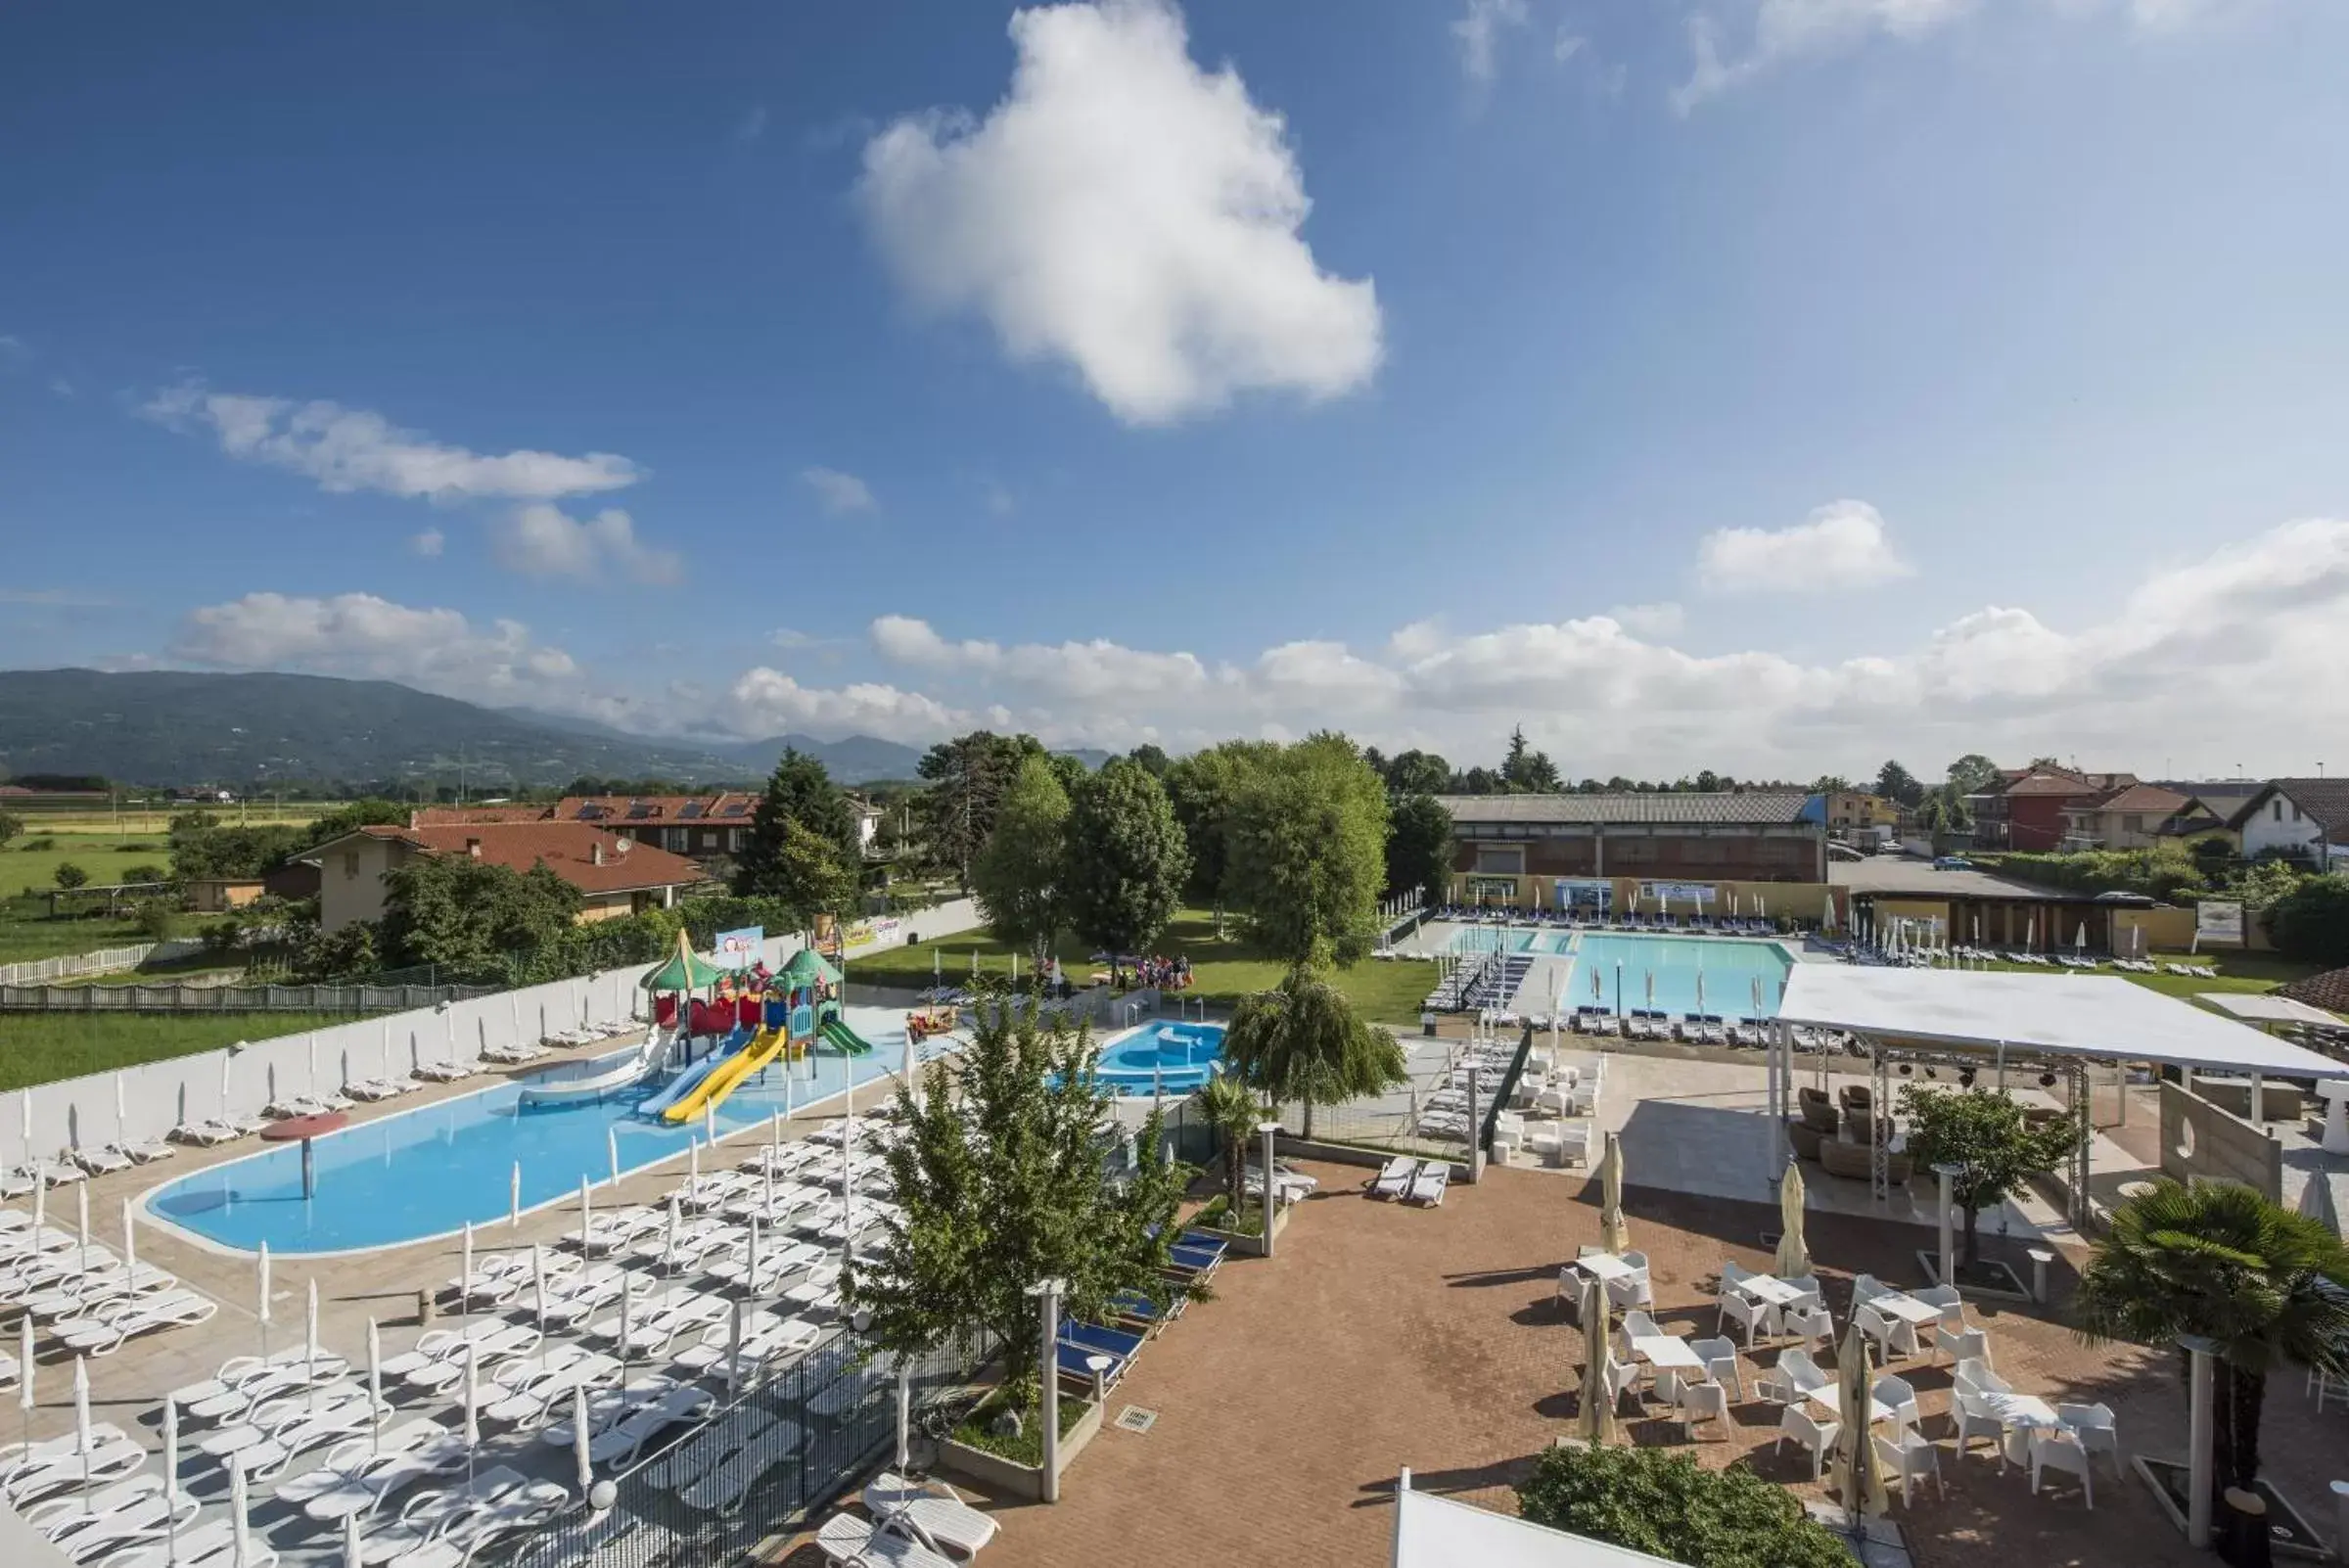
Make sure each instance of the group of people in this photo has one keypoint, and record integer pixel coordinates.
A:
(1166, 974)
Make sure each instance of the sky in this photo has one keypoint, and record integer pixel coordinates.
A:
(1768, 386)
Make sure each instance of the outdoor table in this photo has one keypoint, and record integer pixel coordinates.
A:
(1605, 1268)
(1670, 1356)
(2020, 1412)
(1769, 1291)
(1908, 1309)
(1829, 1396)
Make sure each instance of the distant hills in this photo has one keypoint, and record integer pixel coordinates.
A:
(171, 727)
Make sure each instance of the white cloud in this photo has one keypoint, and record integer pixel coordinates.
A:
(838, 493)
(1125, 212)
(430, 543)
(1477, 30)
(546, 541)
(347, 449)
(1649, 619)
(1843, 545)
(768, 700)
(1095, 669)
(360, 634)
(1001, 502)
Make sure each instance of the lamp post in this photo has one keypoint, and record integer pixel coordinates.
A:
(1949, 1172)
(1270, 1201)
(1048, 1293)
(2202, 1359)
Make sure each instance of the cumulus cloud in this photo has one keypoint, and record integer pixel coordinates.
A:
(768, 700)
(1842, 545)
(1098, 670)
(347, 449)
(1126, 213)
(1663, 619)
(1477, 30)
(546, 541)
(361, 634)
(838, 493)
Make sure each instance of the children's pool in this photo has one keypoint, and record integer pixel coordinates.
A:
(1174, 1058)
(425, 1172)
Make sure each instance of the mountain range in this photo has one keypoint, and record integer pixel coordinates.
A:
(176, 727)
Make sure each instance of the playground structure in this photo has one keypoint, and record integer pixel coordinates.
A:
(757, 1018)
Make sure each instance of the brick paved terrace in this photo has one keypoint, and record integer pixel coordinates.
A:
(1385, 1336)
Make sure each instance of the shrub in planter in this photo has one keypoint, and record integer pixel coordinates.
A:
(1664, 1503)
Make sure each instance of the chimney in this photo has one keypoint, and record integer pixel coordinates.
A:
(595, 852)
(472, 847)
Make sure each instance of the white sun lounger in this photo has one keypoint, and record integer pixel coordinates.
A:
(619, 1444)
(438, 1343)
(425, 1515)
(211, 1544)
(362, 1489)
(1429, 1182)
(135, 1521)
(523, 1507)
(100, 1162)
(946, 1519)
(708, 1448)
(18, 1457)
(237, 1370)
(354, 1456)
(103, 1334)
(1393, 1178)
(105, 1461)
(855, 1541)
(507, 1342)
(533, 1399)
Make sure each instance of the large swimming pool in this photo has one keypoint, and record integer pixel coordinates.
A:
(425, 1172)
(1612, 969)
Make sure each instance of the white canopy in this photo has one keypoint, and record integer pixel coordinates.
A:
(2265, 1008)
(1432, 1531)
(2065, 1015)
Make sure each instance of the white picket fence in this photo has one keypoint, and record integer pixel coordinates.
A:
(104, 961)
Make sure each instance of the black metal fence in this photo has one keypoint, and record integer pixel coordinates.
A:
(779, 1451)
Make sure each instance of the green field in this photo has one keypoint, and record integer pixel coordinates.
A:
(26, 930)
(1222, 971)
(2237, 972)
(42, 1047)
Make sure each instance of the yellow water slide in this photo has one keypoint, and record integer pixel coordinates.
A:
(713, 1091)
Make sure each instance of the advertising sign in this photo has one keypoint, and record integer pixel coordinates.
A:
(739, 949)
(2219, 920)
(1669, 892)
(827, 937)
(865, 933)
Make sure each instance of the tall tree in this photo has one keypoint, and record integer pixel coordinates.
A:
(967, 777)
(2219, 1261)
(1017, 878)
(1830, 784)
(1528, 771)
(1418, 772)
(473, 918)
(799, 791)
(1307, 846)
(1895, 783)
(1303, 1041)
(1127, 859)
(805, 878)
(1418, 848)
(1153, 759)
(1203, 788)
(1004, 1183)
(1972, 774)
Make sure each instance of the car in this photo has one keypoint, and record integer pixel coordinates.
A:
(1952, 862)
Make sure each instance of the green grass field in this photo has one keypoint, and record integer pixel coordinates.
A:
(1223, 971)
(26, 930)
(42, 1047)
(2237, 972)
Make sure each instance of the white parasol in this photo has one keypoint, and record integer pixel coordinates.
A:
(1614, 1234)
(374, 1386)
(580, 1442)
(1596, 1420)
(514, 1196)
(1794, 1257)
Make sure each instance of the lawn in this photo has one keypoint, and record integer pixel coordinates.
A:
(2237, 972)
(42, 1047)
(1222, 969)
(25, 929)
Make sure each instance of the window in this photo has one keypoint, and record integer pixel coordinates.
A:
(2279, 810)
(1502, 858)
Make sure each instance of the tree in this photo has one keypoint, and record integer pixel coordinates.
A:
(2311, 921)
(1984, 1133)
(1005, 1185)
(155, 918)
(967, 777)
(1307, 840)
(1526, 770)
(799, 792)
(10, 825)
(2218, 1260)
(1664, 1503)
(1303, 1041)
(1017, 878)
(70, 876)
(1127, 859)
(203, 849)
(1972, 774)
(473, 918)
(1418, 772)
(1203, 789)
(806, 878)
(1231, 1108)
(1830, 784)
(1153, 759)
(1897, 784)
(1418, 848)
(367, 812)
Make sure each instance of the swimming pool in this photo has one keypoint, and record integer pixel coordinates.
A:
(1728, 972)
(1502, 939)
(425, 1172)
(1176, 1058)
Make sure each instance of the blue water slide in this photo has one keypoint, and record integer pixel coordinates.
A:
(684, 1082)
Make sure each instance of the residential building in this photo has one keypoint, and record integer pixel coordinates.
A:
(2125, 818)
(1526, 849)
(615, 875)
(2303, 818)
(2208, 812)
(703, 827)
(1853, 811)
(2024, 809)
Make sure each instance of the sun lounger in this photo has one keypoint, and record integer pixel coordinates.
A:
(211, 1544)
(109, 1461)
(1074, 1363)
(101, 1162)
(607, 1232)
(439, 1344)
(237, 1369)
(619, 1444)
(503, 1344)
(81, 1295)
(1428, 1183)
(855, 1541)
(362, 1487)
(424, 1516)
(708, 1448)
(19, 1456)
(111, 1518)
(764, 1337)
(723, 1487)
(949, 1521)
(103, 1334)
(525, 1507)
(353, 1455)
(1393, 1178)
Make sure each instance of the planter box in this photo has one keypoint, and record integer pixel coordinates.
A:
(2289, 1534)
(1252, 1245)
(1007, 1478)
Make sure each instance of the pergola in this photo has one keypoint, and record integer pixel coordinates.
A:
(2262, 1007)
(2060, 1024)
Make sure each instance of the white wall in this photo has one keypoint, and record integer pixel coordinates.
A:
(161, 1095)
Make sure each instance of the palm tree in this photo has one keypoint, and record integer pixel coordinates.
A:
(2219, 1261)
(1303, 1041)
(1231, 1107)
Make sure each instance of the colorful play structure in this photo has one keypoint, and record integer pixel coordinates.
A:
(758, 1018)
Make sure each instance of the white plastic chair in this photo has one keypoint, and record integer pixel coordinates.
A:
(1699, 1402)
(1818, 1436)
(1807, 1323)
(1973, 1415)
(1967, 1344)
(1895, 1336)
(1950, 1302)
(1795, 1374)
(1897, 1393)
(1866, 1288)
(1910, 1458)
(1722, 1366)
(2055, 1448)
(1634, 1291)
(1749, 1315)
(2095, 1428)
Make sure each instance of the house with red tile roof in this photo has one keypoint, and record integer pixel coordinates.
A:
(616, 876)
(2128, 817)
(2024, 809)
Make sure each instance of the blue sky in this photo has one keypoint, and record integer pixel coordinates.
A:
(1768, 384)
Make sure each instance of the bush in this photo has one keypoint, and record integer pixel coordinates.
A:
(145, 873)
(1663, 1502)
(2311, 921)
(71, 876)
(2167, 871)
(39, 846)
(10, 825)
(155, 919)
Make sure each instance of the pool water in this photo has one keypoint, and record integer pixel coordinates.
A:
(425, 1172)
(1729, 971)
(1502, 939)
(1176, 1058)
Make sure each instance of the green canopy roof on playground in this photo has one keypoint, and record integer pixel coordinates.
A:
(808, 968)
(684, 971)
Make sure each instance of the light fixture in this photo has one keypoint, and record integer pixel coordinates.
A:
(1965, 1078)
(1931, 1073)
(2047, 1081)
(1906, 1070)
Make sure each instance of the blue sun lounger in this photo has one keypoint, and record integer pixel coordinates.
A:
(1142, 1315)
(1081, 1343)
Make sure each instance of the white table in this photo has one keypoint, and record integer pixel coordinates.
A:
(1769, 1291)
(1829, 1396)
(1670, 1356)
(1605, 1268)
(1908, 1309)
(2020, 1412)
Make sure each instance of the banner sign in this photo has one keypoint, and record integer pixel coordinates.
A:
(2218, 920)
(865, 933)
(739, 949)
(827, 937)
(1677, 892)
(1572, 891)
